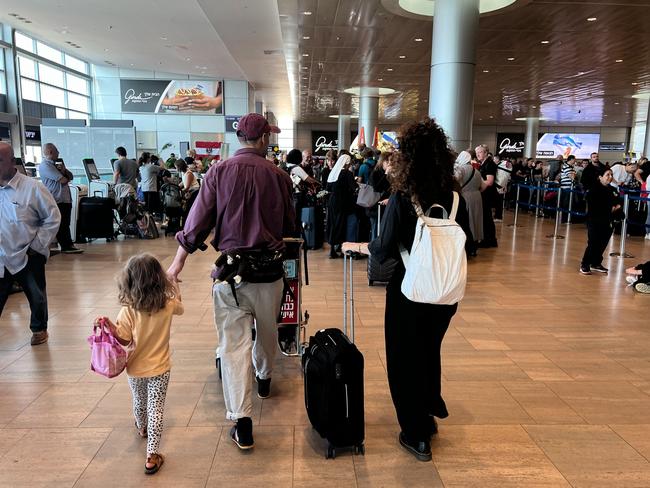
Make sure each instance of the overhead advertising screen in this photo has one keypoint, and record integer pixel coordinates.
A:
(172, 97)
(554, 144)
(510, 144)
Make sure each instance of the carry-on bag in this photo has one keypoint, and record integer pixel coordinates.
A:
(96, 218)
(380, 272)
(314, 226)
(333, 375)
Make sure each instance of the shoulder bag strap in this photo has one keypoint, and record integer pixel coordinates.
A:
(454, 206)
(469, 179)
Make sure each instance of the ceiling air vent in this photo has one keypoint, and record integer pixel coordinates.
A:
(269, 52)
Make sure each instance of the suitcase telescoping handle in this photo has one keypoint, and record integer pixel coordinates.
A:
(378, 219)
(348, 275)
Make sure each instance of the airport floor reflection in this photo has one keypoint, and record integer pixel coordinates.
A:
(546, 377)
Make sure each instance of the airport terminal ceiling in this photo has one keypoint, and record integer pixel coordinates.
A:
(568, 62)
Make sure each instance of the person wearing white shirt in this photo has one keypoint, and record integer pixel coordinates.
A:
(29, 221)
(623, 173)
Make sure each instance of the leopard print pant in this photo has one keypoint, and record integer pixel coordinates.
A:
(149, 405)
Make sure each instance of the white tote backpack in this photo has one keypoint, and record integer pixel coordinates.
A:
(436, 267)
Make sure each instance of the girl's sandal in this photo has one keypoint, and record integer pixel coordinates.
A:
(157, 460)
(141, 432)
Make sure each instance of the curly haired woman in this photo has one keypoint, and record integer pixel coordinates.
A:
(422, 173)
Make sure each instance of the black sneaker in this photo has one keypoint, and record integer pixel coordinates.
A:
(263, 387)
(421, 450)
(585, 270)
(242, 433)
(599, 269)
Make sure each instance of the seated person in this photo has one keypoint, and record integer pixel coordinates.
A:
(639, 277)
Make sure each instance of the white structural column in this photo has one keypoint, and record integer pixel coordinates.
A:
(344, 132)
(368, 112)
(530, 142)
(646, 143)
(453, 62)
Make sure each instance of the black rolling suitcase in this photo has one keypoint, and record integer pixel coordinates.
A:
(376, 270)
(333, 375)
(96, 218)
(314, 225)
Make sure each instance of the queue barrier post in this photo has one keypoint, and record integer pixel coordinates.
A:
(558, 217)
(568, 220)
(621, 252)
(539, 187)
(514, 224)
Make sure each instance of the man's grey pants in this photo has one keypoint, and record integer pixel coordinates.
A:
(259, 304)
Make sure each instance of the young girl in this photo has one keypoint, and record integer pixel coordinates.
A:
(149, 299)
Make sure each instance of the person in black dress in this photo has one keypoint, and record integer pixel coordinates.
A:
(379, 182)
(342, 187)
(489, 195)
(422, 171)
(602, 204)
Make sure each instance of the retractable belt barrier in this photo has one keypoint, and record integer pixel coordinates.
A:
(557, 208)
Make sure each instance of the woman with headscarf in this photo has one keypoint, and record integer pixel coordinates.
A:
(341, 187)
(470, 182)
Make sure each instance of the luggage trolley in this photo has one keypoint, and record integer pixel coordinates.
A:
(292, 322)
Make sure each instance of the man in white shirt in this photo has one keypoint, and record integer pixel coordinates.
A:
(29, 221)
(55, 176)
(622, 173)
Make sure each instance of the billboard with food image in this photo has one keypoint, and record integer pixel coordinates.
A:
(198, 97)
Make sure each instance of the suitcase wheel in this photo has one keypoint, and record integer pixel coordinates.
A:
(331, 452)
(360, 449)
(371, 282)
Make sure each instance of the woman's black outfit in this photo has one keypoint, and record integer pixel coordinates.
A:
(341, 204)
(489, 196)
(601, 200)
(413, 331)
(379, 182)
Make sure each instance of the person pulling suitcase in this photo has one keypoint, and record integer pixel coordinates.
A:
(248, 203)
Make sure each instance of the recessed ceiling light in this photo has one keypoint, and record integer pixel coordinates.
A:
(619, 60)
(163, 38)
(486, 71)
(338, 38)
(402, 56)
(616, 103)
(634, 83)
(305, 67)
(305, 55)
(489, 101)
(306, 38)
(132, 64)
(546, 42)
(418, 39)
(188, 59)
(307, 12)
(592, 19)
(534, 106)
(550, 82)
(580, 73)
(380, 79)
(526, 90)
(106, 50)
(511, 59)
(389, 69)
(491, 117)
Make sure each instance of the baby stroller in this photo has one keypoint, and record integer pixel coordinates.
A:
(130, 211)
(172, 202)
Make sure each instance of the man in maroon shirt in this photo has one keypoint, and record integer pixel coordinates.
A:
(247, 201)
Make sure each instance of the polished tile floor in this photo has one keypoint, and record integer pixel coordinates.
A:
(546, 376)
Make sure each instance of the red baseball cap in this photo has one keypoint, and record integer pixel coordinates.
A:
(253, 126)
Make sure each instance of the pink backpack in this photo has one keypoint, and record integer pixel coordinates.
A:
(107, 356)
